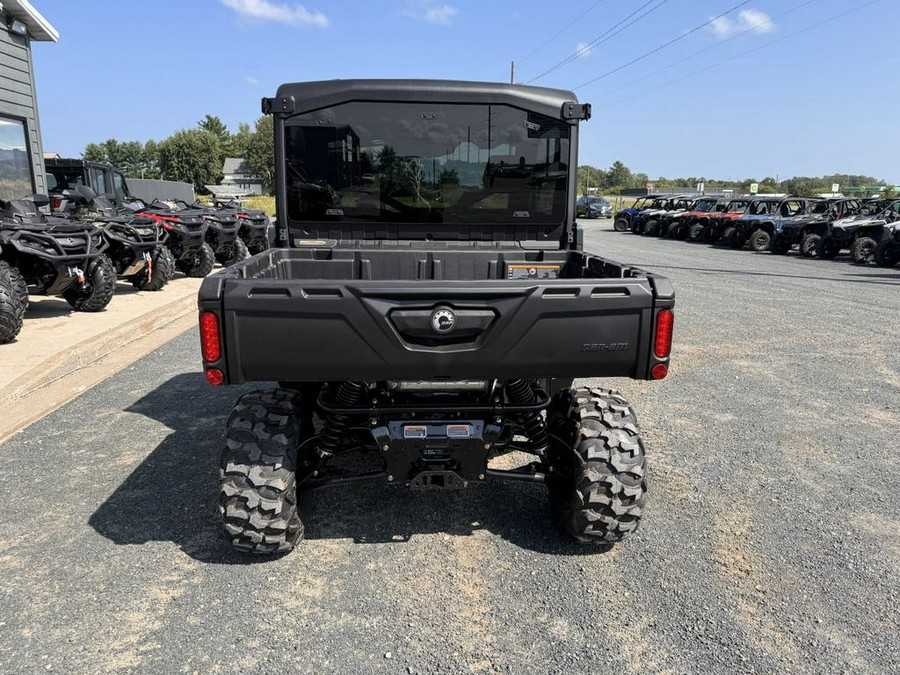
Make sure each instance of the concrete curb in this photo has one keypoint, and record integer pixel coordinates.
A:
(68, 361)
(72, 370)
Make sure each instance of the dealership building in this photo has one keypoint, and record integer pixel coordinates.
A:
(21, 153)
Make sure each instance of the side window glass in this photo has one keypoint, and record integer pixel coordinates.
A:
(15, 166)
(99, 180)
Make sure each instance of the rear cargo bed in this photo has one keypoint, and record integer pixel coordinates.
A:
(320, 313)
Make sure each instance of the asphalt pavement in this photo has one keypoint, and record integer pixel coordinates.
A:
(771, 542)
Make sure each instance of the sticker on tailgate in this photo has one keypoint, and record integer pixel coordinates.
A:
(531, 271)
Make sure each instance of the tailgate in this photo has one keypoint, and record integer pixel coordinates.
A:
(326, 330)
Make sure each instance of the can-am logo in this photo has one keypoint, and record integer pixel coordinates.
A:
(443, 320)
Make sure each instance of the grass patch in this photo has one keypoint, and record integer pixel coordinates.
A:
(262, 203)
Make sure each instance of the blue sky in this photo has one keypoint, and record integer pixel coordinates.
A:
(741, 97)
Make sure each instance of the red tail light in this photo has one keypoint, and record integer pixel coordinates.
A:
(210, 343)
(55, 202)
(657, 372)
(662, 346)
(215, 377)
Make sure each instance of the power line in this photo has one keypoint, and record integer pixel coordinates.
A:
(603, 37)
(644, 92)
(752, 28)
(663, 46)
(567, 27)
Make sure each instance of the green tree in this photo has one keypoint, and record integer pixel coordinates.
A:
(590, 177)
(150, 160)
(191, 156)
(240, 141)
(619, 175)
(261, 152)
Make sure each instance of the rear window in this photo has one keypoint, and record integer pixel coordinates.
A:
(428, 163)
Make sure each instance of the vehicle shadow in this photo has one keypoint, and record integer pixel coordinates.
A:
(172, 494)
(43, 307)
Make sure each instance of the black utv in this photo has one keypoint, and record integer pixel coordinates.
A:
(887, 253)
(842, 233)
(44, 255)
(806, 231)
(432, 318)
(871, 231)
(135, 243)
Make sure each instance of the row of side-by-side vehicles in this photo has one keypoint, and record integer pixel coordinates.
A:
(867, 229)
(96, 232)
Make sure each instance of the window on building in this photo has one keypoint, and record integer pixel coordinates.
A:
(16, 180)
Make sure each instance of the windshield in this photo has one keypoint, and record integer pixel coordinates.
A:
(421, 162)
(705, 205)
(763, 208)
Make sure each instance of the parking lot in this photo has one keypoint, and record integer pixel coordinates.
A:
(771, 543)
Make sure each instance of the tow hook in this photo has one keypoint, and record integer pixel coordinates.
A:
(78, 273)
(149, 260)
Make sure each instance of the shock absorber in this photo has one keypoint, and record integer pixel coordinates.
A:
(349, 395)
(520, 392)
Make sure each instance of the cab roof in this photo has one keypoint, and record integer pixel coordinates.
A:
(310, 96)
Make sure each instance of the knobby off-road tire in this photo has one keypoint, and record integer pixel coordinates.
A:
(98, 289)
(13, 302)
(887, 254)
(863, 250)
(598, 492)
(827, 249)
(760, 241)
(809, 245)
(163, 271)
(730, 238)
(696, 232)
(258, 497)
(201, 264)
(238, 252)
(621, 225)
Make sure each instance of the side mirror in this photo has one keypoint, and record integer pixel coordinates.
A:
(39, 201)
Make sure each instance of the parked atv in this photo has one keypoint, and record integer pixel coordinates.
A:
(136, 243)
(842, 234)
(187, 237)
(222, 233)
(713, 226)
(806, 231)
(44, 255)
(624, 216)
(255, 227)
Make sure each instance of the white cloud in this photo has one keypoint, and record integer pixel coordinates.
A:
(430, 11)
(264, 10)
(252, 81)
(583, 49)
(753, 20)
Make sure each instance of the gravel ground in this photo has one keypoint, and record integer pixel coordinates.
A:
(772, 541)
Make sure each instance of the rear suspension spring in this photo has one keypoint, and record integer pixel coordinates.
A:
(348, 395)
(522, 392)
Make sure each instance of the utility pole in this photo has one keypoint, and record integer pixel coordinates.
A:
(512, 72)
